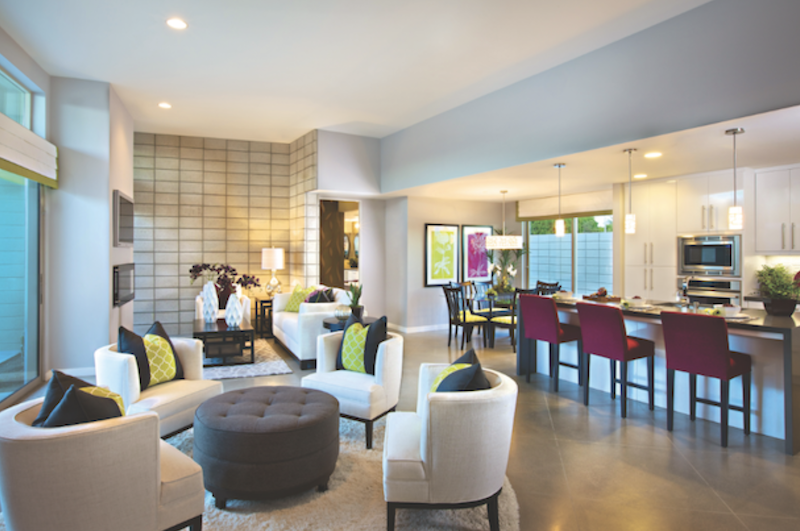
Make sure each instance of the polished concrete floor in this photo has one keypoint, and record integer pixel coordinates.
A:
(578, 468)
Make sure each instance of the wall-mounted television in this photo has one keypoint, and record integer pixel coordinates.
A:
(123, 284)
(123, 220)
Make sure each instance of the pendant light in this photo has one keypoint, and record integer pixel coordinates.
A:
(735, 213)
(630, 217)
(560, 228)
(503, 241)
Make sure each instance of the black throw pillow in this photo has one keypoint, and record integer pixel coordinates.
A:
(464, 374)
(57, 387)
(85, 404)
(131, 343)
(376, 334)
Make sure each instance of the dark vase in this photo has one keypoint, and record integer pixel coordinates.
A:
(783, 307)
(358, 311)
(223, 294)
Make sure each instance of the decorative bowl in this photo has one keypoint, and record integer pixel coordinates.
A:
(342, 312)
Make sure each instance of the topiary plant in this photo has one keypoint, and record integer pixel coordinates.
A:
(777, 283)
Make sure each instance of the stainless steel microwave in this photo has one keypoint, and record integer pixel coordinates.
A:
(710, 255)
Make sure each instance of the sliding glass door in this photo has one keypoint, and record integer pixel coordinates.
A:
(19, 282)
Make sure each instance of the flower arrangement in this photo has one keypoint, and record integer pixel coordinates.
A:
(504, 270)
(223, 275)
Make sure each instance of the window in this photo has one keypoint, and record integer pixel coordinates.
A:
(19, 276)
(581, 261)
(15, 101)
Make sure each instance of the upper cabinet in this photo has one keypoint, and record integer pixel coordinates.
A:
(778, 210)
(703, 202)
(654, 243)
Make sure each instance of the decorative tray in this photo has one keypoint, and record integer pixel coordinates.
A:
(602, 299)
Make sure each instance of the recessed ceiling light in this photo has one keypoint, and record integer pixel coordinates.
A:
(640, 176)
(177, 23)
(653, 155)
(165, 105)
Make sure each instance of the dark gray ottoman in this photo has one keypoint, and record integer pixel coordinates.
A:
(266, 442)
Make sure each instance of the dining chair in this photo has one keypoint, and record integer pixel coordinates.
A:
(603, 332)
(540, 316)
(698, 344)
(508, 319)
(547, 288)
(461, 316)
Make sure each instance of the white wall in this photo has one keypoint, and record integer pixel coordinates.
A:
(120, 178)
(723, 60)
(348, 163)
(26, 71)
(396, 260)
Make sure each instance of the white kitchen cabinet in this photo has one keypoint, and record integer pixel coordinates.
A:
(651, 253)
(778, 210)
(703, 202)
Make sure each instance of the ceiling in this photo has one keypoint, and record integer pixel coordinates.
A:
(770, 139)
(273, 70)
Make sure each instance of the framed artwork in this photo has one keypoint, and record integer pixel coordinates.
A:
(355, 245)
(441, 254)
(475, 264)
(346, 246)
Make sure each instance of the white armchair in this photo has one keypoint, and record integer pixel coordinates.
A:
(362, 397)
(112, 473)
(298, 331)
(453, 452)
(175, 401)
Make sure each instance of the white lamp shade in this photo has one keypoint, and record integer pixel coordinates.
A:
(630, 224)
(272, 259)
(560, 228)
(503, 242)
(735, 218)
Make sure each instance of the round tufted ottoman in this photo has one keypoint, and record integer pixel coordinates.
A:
(265, 442)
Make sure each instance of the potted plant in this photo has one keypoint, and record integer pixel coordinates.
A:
(224, 278)
(355, 297)
(778, 290)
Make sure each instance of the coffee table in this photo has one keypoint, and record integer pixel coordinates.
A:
(222, 342)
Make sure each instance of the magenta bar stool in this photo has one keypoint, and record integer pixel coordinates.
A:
(603, 332)
(540, 316)
(698, 344)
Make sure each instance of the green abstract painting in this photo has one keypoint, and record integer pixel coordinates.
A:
(442, 254)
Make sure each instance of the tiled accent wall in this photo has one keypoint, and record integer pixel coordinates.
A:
(304, 206)
(210, 200)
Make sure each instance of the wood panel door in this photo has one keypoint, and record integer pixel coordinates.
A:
(331, 244)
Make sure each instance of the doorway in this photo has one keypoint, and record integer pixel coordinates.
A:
(339, 240)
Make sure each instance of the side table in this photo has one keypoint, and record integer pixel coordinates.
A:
(264, 317)
(335, 325)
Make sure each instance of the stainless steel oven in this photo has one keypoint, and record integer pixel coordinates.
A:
(710, 291)
(710, 255)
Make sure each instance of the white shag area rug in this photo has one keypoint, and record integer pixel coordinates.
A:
(267, 363)
(353, 501)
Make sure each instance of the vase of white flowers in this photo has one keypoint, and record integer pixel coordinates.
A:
(505, 269)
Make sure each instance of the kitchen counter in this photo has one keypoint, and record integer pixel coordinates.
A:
(773, 343)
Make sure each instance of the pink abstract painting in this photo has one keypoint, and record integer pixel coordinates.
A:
(477, 264)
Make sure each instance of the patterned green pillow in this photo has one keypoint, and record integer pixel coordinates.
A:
(464, 374)
(155, 355)
(359, 348)
(298, 297)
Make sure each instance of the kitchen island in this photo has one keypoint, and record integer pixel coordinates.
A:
(772, 342)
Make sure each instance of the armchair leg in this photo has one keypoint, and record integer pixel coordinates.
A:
(390, 508)
(368, 430)
(494, 513)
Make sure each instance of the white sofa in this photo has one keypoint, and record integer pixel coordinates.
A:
(175, 402)
(298, 331)
(110, 474)
(453, 452)
(362, 397)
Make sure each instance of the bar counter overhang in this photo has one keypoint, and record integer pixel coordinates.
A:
(773, 343)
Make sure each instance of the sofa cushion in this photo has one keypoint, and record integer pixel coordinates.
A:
(174, 397)
(374, 336)
(465, 374)
(154, 353)
(57, 387)
(180, 475)
(298, 296)
(346, 386)
(85, 404)
(320, 295)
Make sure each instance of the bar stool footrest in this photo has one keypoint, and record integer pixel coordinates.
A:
(718, 404)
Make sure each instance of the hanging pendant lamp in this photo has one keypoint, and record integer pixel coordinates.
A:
(503, 241)
(630, 217)
(560, 225)
(735, 213)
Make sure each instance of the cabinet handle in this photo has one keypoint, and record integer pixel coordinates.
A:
(645, 252)
(645, 279)
(703, 217)
(783, 235)
(792, 235)
(711, 217)
(651, 254)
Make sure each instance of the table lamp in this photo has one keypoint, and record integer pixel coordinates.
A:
(272, 259)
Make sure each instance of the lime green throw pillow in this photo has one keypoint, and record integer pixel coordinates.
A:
(298, 297)
(353, 345)
(160, 359)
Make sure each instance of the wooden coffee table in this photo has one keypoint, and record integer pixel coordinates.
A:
(222, 342)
